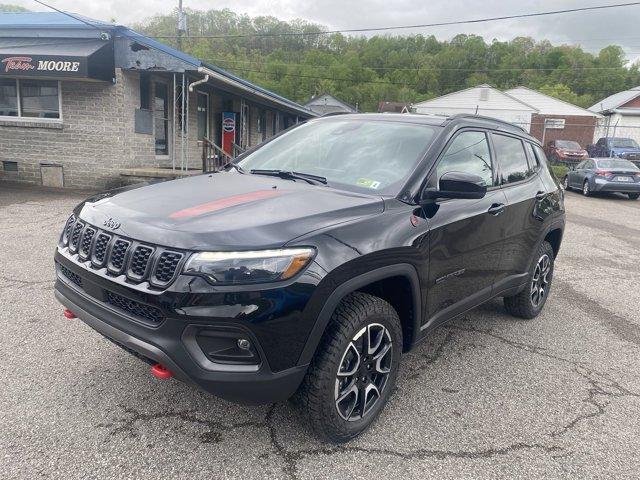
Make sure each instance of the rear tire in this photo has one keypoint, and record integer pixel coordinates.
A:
(339, 403)
(586, 189)
(634, 196)
(529, 303)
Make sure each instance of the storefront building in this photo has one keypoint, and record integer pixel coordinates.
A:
(87, 104)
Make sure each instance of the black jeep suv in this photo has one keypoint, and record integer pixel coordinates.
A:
(308, 266)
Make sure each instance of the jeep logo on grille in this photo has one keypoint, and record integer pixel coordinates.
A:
(111, 224)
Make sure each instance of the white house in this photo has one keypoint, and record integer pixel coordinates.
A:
(325, 103)
(621, 113)
(481, 100)
(556, 119)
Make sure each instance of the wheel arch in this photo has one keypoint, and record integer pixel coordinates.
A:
(368, 283)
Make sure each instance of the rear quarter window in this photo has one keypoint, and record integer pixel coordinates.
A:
(546, 175)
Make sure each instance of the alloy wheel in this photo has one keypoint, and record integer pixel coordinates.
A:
(566, 183)
(540, 281)
(585, 188)
(363, 372)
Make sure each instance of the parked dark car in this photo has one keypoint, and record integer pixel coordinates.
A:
(308, 266)
(619, 147)
(604, 175)
(565, 151)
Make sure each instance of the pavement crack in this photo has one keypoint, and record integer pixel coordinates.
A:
(601, 389)
(291, 458)
(128, 425)
(535, 349)
(431, 357)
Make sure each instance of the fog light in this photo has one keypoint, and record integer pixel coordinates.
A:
(244, 344)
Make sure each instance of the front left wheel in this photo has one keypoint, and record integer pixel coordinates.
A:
(354, 370)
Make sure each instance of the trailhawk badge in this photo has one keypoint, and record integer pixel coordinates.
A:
(111, 224)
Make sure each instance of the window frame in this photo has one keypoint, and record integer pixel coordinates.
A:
(434, 167)
(207, 128)
(531, 174)
(20, 118)
(155, 82)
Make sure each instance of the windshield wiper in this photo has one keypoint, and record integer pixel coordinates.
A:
(307, 177)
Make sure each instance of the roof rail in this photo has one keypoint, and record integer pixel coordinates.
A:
(483, 117)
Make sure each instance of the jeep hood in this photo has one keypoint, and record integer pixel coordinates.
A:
(225, 211)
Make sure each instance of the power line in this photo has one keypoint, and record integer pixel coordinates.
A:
(285, 63)
(380, 82)
(403, 27)
(69, 15)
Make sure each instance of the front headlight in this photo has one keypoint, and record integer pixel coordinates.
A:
(233, 268)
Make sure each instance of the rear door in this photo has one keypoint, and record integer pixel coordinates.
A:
(523, 190)
(573, 174)
(465, 236)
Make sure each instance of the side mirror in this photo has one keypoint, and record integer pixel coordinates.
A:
(458, 185)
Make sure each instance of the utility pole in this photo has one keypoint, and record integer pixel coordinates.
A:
(182, 24)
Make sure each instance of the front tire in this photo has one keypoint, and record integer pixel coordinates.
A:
(634, 196)
(529, 303)
(565, 183)
(586, 189)
(354, 371)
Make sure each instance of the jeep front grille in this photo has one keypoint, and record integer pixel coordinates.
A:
(139, 262)
(72, 277)
(132, 307)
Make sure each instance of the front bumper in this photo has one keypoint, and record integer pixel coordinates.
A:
(171, 342)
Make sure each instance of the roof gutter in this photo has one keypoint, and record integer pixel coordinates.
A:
(229, 81)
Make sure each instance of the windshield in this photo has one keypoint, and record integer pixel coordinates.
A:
(568, 144)
(362, 155)
(624, 143)
(625, 164)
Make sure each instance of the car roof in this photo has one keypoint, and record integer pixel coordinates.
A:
(461, 119)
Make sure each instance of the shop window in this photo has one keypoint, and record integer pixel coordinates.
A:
(8, 98)
(30, 98)
(145, 91)
(161, 118)
(203, 116)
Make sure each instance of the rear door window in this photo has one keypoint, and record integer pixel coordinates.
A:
(511, 158)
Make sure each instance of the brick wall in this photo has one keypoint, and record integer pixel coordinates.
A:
(577, 128)
(96, 138)
(87, 143)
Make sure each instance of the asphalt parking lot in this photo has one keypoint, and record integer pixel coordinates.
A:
(488, 396)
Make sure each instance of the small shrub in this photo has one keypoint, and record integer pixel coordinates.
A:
(560, 171)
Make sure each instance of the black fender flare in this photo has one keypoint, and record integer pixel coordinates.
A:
(401, 269)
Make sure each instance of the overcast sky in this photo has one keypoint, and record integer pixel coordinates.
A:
(592, 30)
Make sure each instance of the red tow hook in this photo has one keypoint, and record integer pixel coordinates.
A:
(69, 314)
(161, 372)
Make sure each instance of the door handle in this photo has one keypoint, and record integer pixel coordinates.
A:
(541, 196)
(496, 209)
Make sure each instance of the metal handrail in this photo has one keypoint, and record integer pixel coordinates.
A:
(237, 149)
(216, 161)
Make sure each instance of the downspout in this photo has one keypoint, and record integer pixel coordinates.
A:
(191, 85)
(198, 82)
